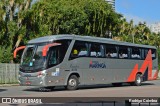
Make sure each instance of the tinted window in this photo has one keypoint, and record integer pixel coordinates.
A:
(111, 51)
(53, 58)
(80, 49)
(57, 54)
(145, 53)
(123, 52)
(96, 50)
(64, 47)
(136, 53)
(153, 54)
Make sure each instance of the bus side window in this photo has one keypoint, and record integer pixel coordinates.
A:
(63, 48)
(145, 53)
(136, 53)
(80, 49)
(53, 57)
(123, 52)
(153, 53)
(111, 51)
(96, 50)
(142, 53)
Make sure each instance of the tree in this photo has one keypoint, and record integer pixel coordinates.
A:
(83, 17)
(11, 25)
(20, 21)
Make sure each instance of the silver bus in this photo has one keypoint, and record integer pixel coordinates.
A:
(73, 60)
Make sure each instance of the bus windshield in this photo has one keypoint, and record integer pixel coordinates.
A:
(32, 58)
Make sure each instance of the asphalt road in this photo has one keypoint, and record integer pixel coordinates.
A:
(85, 96)
(148, 89)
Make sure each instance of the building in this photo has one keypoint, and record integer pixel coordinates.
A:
(155, 27)
(112, 2)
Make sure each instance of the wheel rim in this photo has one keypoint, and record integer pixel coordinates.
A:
(139, 80)
(72, 82)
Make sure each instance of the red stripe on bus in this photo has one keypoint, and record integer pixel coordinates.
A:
(155, 75)
(133, 74)
(147, 63)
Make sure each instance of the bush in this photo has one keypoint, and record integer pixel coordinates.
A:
(6, 54)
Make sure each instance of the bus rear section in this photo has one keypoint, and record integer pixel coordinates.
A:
(116, 63)
(147, 70)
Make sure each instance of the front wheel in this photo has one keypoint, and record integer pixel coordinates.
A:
(72, 83)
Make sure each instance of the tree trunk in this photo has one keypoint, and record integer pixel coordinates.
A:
(11, 8)
(27, 4)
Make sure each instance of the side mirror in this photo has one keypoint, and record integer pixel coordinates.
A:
(17, 49)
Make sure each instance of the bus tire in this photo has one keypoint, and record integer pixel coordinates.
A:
(138, 80)
(72, 83)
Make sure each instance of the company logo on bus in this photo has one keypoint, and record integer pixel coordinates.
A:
(96, 64)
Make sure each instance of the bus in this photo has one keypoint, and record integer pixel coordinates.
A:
(73, 60)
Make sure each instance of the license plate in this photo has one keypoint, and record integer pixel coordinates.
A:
(28, 83)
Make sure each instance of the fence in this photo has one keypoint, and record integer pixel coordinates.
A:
(8, 73)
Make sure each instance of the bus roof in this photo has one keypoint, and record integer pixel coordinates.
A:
(52, 38)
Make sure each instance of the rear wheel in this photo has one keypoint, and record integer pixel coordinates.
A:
(138, 80)
(72, 83)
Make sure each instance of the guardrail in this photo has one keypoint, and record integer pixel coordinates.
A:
(8, 73)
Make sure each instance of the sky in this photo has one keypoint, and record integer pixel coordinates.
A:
(139, 10)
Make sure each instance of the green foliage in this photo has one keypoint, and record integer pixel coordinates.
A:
(49, 17)
(83, 17)
(5, 54)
